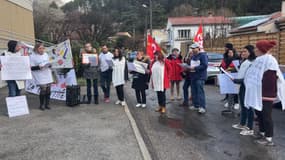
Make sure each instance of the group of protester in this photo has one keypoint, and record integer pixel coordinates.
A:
(261, 83)
(162, 73)
(259, 76)
(41, 72)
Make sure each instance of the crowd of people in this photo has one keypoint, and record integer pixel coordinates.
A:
(260, 79)
(261, 83)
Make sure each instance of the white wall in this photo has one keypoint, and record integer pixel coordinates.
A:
(173, 32)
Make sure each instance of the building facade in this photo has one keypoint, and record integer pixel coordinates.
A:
(181, 30)
(17, 23)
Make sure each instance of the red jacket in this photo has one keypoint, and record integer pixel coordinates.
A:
(167, 70)
(176, 69)
(229, 68)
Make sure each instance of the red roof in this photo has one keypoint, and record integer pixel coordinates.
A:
(189, 20)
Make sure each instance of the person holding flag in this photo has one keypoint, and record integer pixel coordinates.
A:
(198, 39)
(152, 47)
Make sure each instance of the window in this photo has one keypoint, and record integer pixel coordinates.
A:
(184, 34)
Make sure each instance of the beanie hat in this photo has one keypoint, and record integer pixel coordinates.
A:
(229, 46)
(12, 46)
(265, 45)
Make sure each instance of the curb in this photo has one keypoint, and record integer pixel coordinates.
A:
(144, 151)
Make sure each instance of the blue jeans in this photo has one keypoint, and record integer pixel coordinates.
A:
(95, 87)
(247, 114)
(186, 85)
(198, 94)
(13, 88)
(105, 81)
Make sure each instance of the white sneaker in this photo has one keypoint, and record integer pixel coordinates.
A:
(202, 110)
(247, 132)
(239, 126)
(226, 105)
(138, 105)
(118, 102)
(123, 103)
(193, 108)
(236, 106)
(143, 105)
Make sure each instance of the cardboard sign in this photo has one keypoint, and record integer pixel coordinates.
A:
(17, 106)
(15, 68)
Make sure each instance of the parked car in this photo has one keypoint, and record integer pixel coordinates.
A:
(214, 62)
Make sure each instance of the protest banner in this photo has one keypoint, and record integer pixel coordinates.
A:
(61, 60)
(17, 106)
(64, 77)
(60, 55)
(227, 86)
(15, 68)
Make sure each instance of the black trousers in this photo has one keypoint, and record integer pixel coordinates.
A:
(264, 118)
(141, 96)
(120, 92)
(161, 98)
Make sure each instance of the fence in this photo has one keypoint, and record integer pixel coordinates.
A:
(239, 41)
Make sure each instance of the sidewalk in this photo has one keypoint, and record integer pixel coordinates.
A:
(63, 133)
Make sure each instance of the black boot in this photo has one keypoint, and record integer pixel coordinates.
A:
(42, 99)
(96, 101)
(88, 100)
(47, 98)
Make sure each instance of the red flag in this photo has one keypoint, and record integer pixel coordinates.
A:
(199, 37)
(152, 47)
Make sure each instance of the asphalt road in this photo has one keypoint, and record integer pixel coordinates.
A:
(184, 134)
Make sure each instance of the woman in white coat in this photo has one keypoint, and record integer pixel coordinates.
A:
(118, 75)
(42, 74)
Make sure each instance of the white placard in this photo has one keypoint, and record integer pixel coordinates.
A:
(194, 63)
(227, 86)
(15, 68)
(136, 67)
(89, 58)
(144, 65)
(17, 106)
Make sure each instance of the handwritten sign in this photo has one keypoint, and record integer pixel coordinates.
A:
(15, 68)
(17, 106)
